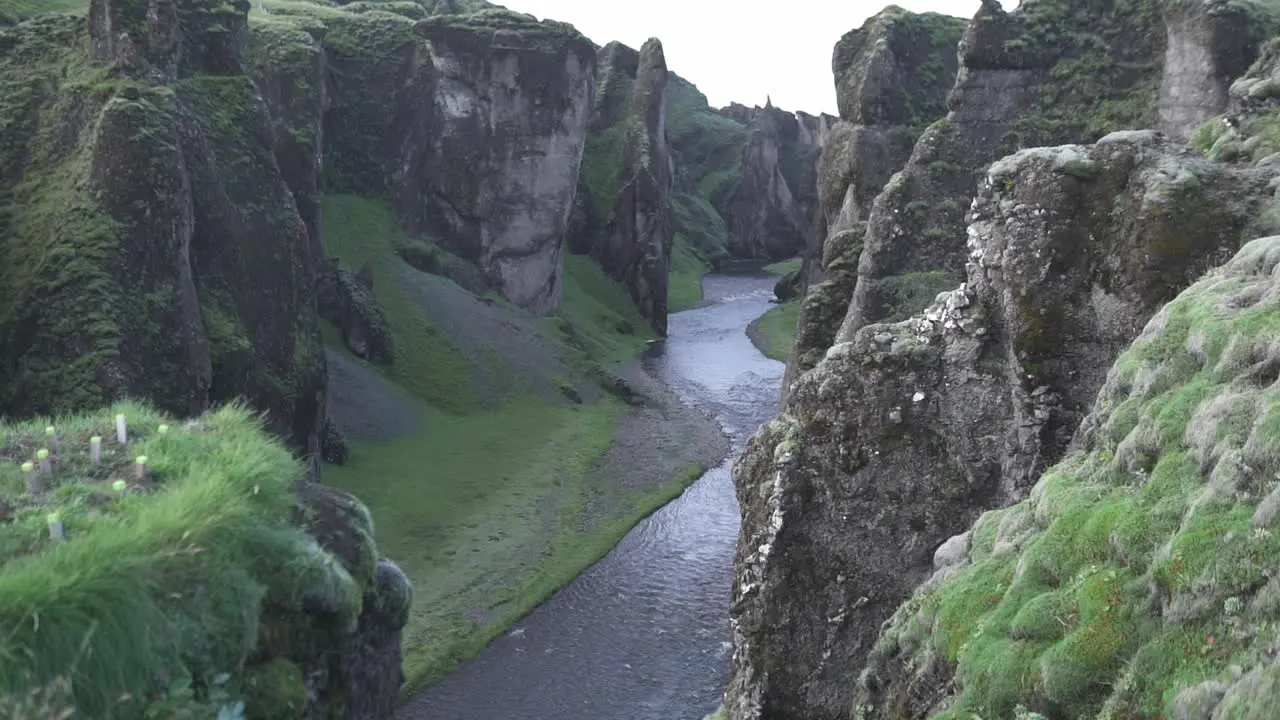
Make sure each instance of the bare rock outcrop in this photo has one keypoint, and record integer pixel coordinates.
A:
(1045, 74)
(892, 77)
(903, 434)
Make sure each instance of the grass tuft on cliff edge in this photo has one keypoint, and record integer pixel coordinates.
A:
(1139, 576)
(159, 587)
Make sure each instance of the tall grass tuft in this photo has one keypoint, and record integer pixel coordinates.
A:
(153, 587)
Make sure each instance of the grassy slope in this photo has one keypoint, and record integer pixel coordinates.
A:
(1140, 566)
(481, 507)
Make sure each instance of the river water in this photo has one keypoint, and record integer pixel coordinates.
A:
(644, 633)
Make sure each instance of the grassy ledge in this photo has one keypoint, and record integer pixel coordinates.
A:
(490, 502)
(774, 333)
(161, 582)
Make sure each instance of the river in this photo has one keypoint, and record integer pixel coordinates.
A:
(644, 633)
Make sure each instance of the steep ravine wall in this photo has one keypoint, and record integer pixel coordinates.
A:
(903, 433)
(892, 79)
(622, 215)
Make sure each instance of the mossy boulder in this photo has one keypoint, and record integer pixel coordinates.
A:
(1119, 589)
(349, 304)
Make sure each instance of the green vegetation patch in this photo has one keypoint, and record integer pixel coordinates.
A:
(485, 505)
(684, 278)
(1139, 568)
(15, 11)
(774, 333)
(158, 582)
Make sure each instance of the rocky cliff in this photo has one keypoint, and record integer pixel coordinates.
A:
(892, 79)
(745, 183)
(1047, 73)
(412, 112)
(623, 210)
(902, 435)
(1135, 580)
(770, 213)
(153, 248)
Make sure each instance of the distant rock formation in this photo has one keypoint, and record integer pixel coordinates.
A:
(623, 208)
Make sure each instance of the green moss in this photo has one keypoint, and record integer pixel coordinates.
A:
(15, 11)
(1135, 582)
(908, 294)
(684, 280)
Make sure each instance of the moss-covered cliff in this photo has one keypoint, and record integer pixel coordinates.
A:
(623, 208)
(153, 247)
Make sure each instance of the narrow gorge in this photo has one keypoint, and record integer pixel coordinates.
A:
(394, 358)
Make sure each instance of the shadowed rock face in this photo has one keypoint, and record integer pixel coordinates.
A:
(152, 248)
(770, 213)
(902, 435)
(622, 216)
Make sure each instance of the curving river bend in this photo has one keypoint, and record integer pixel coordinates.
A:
(644, 633)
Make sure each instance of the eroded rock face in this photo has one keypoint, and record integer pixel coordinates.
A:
(892, 79)
(474, 125)
(624, 199)
(1035, 77)
(496, 180)
(904, 433)
(770, 213)
(176, 266)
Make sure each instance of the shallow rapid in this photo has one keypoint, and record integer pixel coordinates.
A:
(644, 633)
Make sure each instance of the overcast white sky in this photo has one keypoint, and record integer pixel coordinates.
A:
(780, 48)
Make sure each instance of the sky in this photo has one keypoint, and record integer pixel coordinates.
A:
(782, 50)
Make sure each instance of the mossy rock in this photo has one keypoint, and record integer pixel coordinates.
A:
(343, 526)
(274, 690)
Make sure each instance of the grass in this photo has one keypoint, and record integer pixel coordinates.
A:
(14, 11)
(684, 280)
(1140, 560)
(774, 333)
(784, 267)
(485, 508)
(157, 585)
